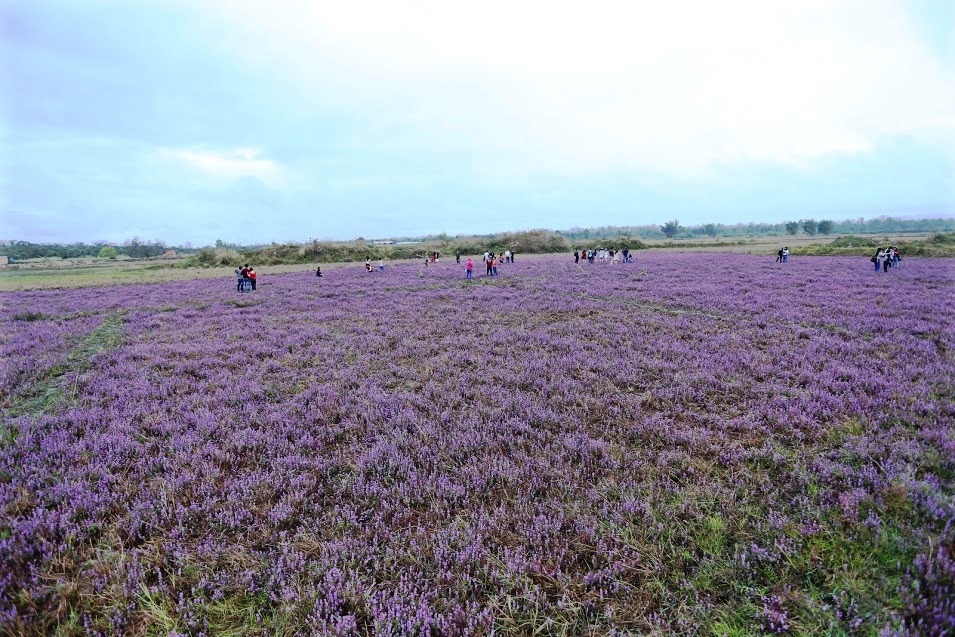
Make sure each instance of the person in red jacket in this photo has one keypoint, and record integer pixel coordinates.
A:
(252, 277)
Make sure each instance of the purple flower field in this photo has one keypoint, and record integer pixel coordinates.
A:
(690, 444)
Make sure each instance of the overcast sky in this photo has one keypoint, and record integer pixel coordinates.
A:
(248, 121)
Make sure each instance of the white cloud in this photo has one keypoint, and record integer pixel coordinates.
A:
(562, 86)
(240, 162)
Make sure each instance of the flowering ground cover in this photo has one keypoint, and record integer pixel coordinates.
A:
(691, 444)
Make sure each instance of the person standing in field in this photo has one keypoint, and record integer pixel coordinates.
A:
(785, 255)
(318, 271)
(877, 259)
(896, 257)
(368, 264)
(507, 256)
(494, 260)
(779, 256)
(252, 277)
(576, 255)
(381, 264)
(486, 255)
(468, 268)
(488, 261)
(457, 256)
(246, 284)
(238, 280)
(887, 260)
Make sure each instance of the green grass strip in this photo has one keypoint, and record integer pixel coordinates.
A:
(50, 391)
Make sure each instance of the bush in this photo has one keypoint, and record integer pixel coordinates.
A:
(825, 250)
(213, 257)
(851, 241)
(943, 239)
(523, 242)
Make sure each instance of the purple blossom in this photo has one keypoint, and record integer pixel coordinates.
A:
(578, 449)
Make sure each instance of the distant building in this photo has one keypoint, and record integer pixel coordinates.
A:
(4, 260)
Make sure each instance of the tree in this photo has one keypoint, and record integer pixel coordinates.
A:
(134, 248)
(139, 249)
(670, 228)
(792, 227)
(709, 229)
(825, 226)
(810, 226)
(107, 252)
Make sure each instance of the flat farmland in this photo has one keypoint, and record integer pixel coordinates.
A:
(693, 444)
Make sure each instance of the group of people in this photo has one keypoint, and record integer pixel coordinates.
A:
(603, 254)
(492, 260)
(381, 265)
(883, 259)
(245, 278)
(500, 257)
(886, 258)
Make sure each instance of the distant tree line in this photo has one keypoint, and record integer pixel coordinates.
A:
(134, 248)
(526, 241)
(672, 229)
